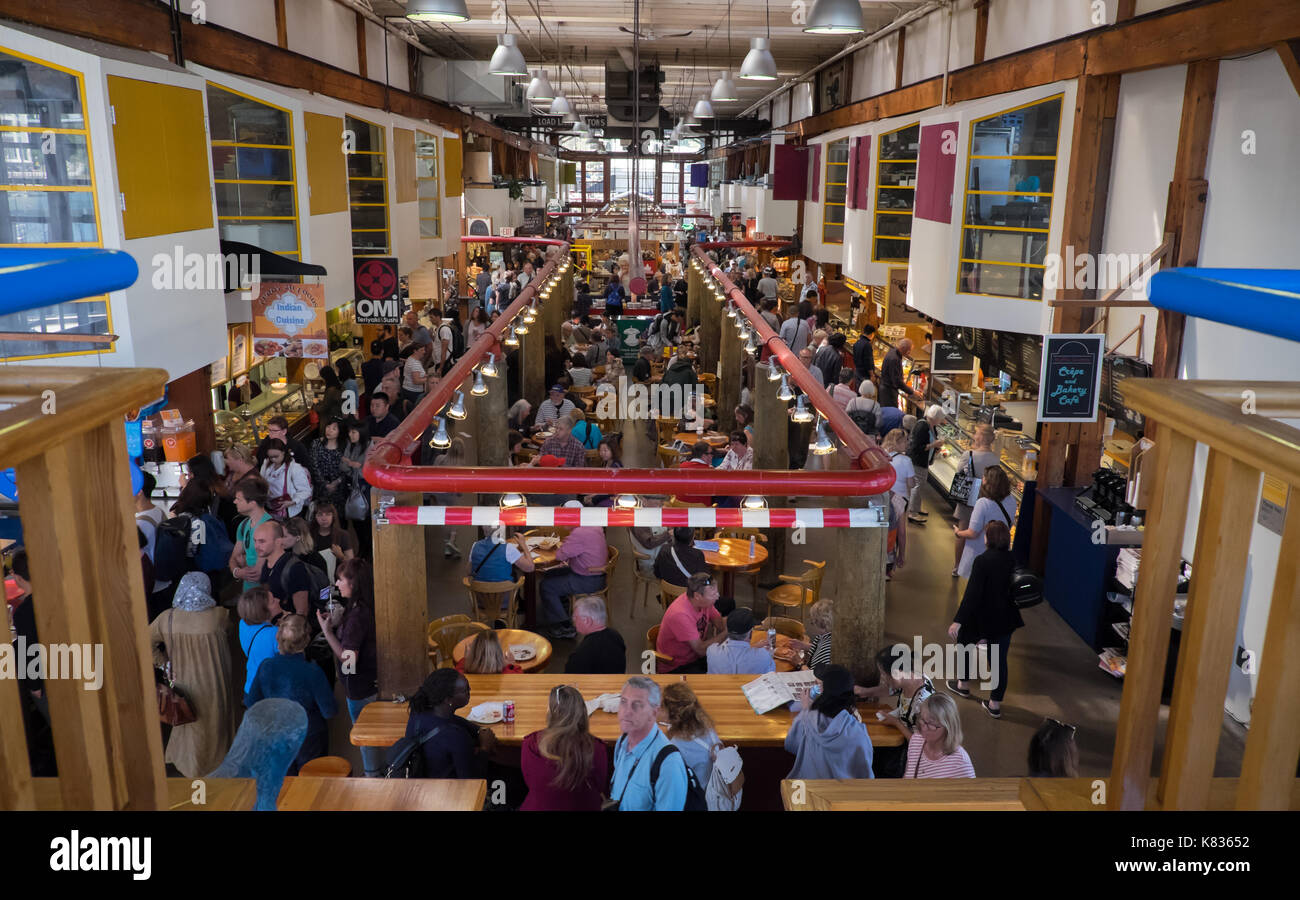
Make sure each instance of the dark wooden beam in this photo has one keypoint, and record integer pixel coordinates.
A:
(1289, 53)
(914, 97)
(281, 26)
(362, 68)
(981, 29)
(898, 59)
(1126, 10)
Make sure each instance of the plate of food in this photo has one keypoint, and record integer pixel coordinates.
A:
(522, 652)
(266, 347)
(315, 349)
(486, 714)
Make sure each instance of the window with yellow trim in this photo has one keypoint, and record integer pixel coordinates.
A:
(368, 188)
(835, 191)
(426, 175)
(895, 194)
(48, 188)
(1007, 213)
(253, 171)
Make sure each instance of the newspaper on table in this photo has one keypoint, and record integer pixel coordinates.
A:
(606, 702)
(775, 689)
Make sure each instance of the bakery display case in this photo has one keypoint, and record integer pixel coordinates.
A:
(1017, 453)
(247, 424)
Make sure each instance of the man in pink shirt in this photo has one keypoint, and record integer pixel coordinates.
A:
(691, 625)
(586, 553)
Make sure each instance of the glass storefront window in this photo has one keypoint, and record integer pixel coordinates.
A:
(835, 191)
(368, 188)
(426, 176)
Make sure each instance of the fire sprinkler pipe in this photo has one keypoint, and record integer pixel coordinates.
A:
(388, 466)
(866, 454)
(714, 245)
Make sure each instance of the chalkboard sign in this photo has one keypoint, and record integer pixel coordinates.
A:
(1071, 382)
(1031, 358)
(1114, 370)
(984, 349)
(949, 358)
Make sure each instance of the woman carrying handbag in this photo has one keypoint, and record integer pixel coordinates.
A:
(987, 614)
(287, 480)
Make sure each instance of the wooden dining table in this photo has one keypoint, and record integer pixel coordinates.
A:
(758, 638)
(514, 637)
(311, 794)
(731, 556)
(714, 439)
(382, 724)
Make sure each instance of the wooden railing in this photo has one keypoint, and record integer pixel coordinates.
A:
(65, 437)
(1232, 420)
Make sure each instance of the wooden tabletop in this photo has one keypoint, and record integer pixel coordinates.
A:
(733, 553)
(302, 794)
(903, 794)
(514, 637)
(712, 438)
(383, 724)
(758, 638)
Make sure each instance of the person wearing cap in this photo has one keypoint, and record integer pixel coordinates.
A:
(556, 406)
(925, 441)
(735, 656)
(691, 625)
(827, 739)
(586, 553)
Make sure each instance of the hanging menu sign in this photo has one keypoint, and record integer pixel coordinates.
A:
(948, 358)
(1071, 377)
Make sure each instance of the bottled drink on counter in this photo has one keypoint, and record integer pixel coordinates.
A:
(771, 638)
(508, 711)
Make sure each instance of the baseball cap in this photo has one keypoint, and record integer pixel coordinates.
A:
(550, 461)
(740, 621)
(556, 389)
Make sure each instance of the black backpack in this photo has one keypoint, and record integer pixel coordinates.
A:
(171, 549)
(696, 801)
(406, 758)
(457, 342)
(319, 595)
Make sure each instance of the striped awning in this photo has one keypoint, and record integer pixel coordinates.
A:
(650, 517)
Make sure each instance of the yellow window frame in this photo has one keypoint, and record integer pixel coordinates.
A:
(435, 167)
(296, 252)
(383, 137)
(1009, 192)
(92, 189)
(877, 212)
(827, 184)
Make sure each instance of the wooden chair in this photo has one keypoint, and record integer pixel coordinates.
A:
(610, 566)
(492, 600)
(444, 641)
(651, 639)
(799, 590)
(668, 457)
(667, 429)
(745, 534)
(593, 459)
(669, 592)
(791, 628)
(327, 767)
(642, 583)
(524, 455)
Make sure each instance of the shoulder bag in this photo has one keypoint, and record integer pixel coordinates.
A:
(174, 708)
(965, 484)
(1026, 586)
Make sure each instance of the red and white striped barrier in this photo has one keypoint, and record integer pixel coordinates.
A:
(649, 517)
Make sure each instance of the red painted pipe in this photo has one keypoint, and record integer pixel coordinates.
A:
(713, 245)
(864, 451)
(468, 239)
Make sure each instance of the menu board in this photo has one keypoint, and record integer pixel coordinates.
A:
(984, 349)
(1031, 358)
(949, 358)
(289, 320)
(1070, 389)
(1115, 370)
(239, 346)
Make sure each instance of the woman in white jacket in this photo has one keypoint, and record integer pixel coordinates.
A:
(288, 483)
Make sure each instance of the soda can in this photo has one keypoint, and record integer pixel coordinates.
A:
(508, 711)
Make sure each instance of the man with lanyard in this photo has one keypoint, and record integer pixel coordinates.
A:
(636, 785)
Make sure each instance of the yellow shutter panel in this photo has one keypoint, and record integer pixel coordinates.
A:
(327, 172)
(161, 145)
(451, 163)
(404, 165)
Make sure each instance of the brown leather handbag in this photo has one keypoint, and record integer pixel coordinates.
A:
(174, 708)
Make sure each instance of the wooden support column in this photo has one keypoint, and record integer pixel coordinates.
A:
(401, 601)
(1125, 10)
(85, 564)
(694, 291)
(981, 29)
(1289, 53)
(281, 27)
(1184, 214)
(729, 370)
(533, 347)
(493, 433)
(1209, 632)
(859, 566)
(898, 59)
(361, 46)
(771, 452)
(711, 321)
(1153, 610)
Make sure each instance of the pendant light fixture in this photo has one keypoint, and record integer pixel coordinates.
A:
(490, 367)
(759, 64)
(724, 89)
(802, 414)
(440, 440)
(480, 388)
(835, 17)
(437, 10)
(457, 410)
(703, 108)
(774, 371)
(539, 89)
(785, 393)
(824, 444)
(507, 60)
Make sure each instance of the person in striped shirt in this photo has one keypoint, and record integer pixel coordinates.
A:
(935, 750)
(556, 406)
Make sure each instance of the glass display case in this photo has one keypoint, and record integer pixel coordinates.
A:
(1018, 453)
(247, 423)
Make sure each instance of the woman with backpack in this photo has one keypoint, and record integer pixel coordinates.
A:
(452, 747)
(987, 614)
(690, 729)
(565, 767)
(207, 545)
(259, 616)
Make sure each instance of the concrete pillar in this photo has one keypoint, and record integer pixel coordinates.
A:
(857, 578)
(729, 374)
(771, 451)
(491, 412)
(694, 293)
(401, 602)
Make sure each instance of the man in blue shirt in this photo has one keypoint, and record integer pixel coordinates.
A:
(637, 749)
(735, 656)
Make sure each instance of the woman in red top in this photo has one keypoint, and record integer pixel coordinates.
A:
(564, 767)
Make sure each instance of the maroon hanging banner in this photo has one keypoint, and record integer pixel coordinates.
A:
(935, 169)
(815, 178)
(861, 196)
(790, 172)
